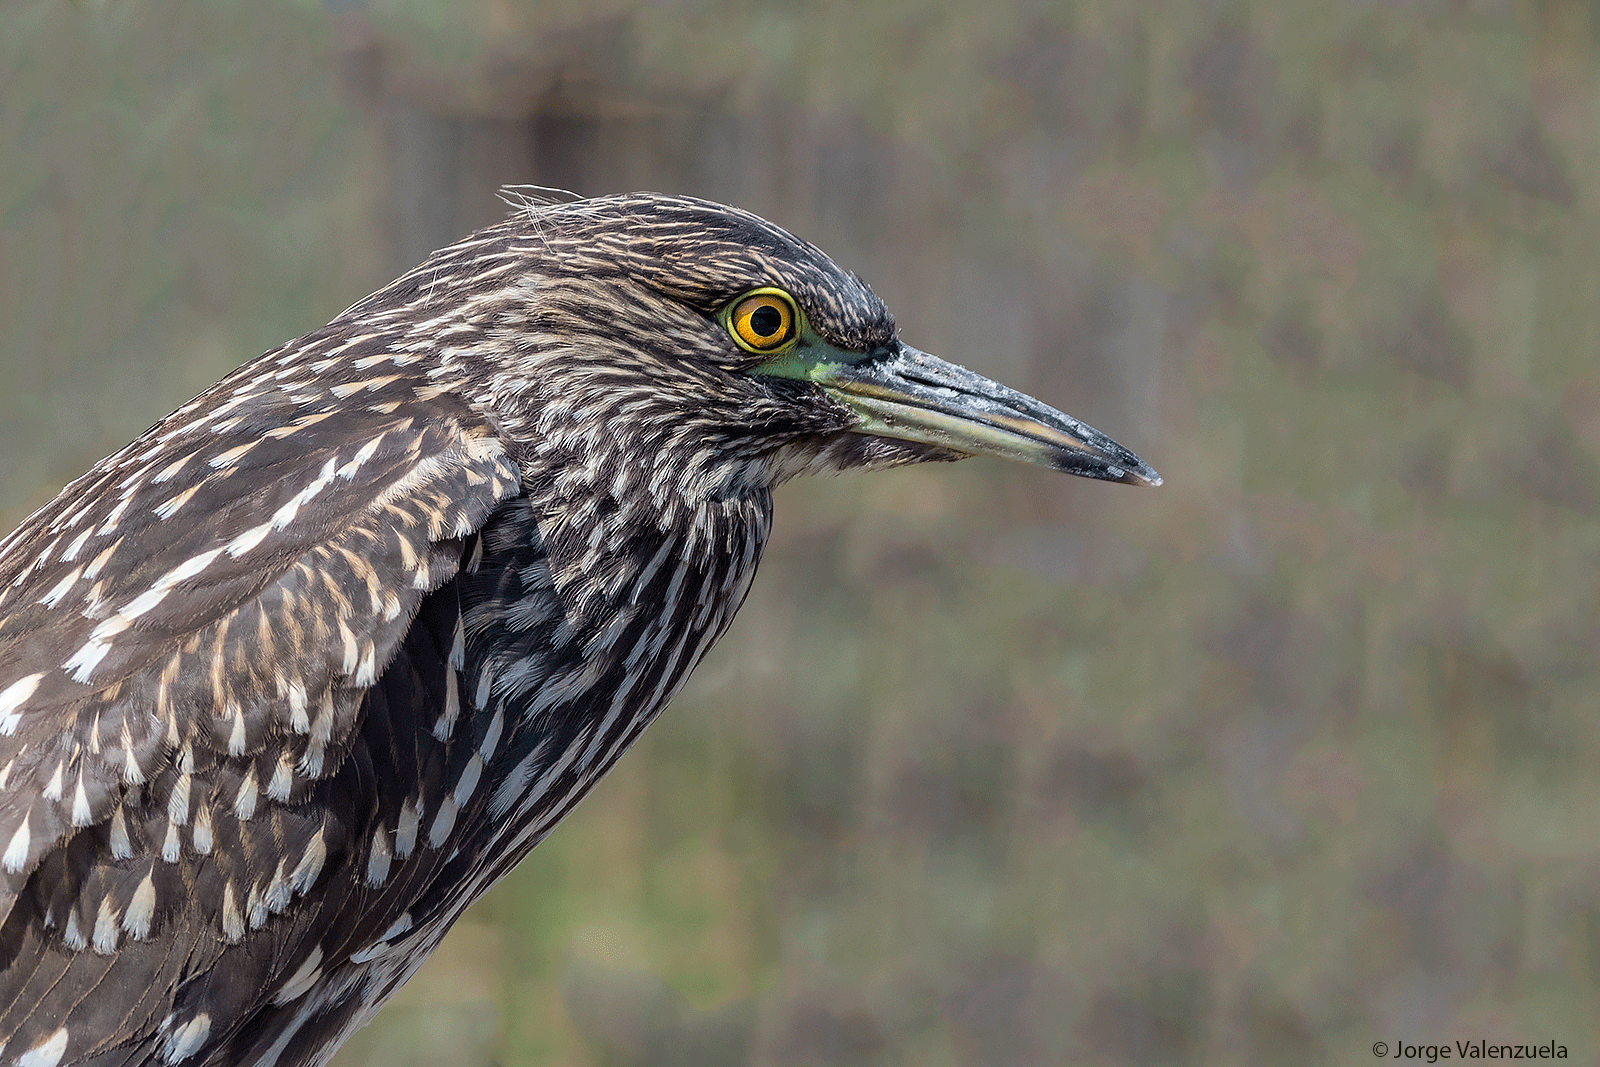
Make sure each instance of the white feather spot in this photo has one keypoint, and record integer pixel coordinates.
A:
(285, 515)
(187, 569)
(168, 507)
(382, 946)
(469, 780)
(178, 802)
(106, 932)
(443, 822)
(366, 452)
(82, 814)
(232, 455)
(76, 546)
(305, 874)
(310, 764)
(121, 847)
(396, 928)
(379, 858)
(145, 602)
(244, 802)
(491, 736)
(371, 952)
(98, 564)
(59, 590)
(452, 707)
(255, 908)
(171, 847)
(81, 664)
(202, 830)
(12, 699)
(367, 669)
(298, 721)
(46, 1053)
(132, 773)
(352, 652)
(349, 389)
(72, 934)
(166, 473)
(52, 788)
(232, 919)
(249, 539)
(519, 786)
(405, 831)
(282, 778)
(300, 983)
(322, 725)
(141, 909)
(16, 854)
(279, 891)
(187, 1039)
(458, 646)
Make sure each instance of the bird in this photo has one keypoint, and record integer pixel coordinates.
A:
(294, 677)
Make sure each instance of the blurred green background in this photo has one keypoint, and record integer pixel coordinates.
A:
(996, 768)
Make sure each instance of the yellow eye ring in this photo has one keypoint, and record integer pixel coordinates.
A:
(763, 320)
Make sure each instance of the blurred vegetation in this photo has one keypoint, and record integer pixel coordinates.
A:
(1291, 755)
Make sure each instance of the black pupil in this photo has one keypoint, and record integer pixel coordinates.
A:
(766, 320)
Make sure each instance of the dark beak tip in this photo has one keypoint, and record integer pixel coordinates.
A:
(1133, 471)
(1147, 477)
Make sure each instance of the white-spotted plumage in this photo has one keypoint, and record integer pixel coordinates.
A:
(294, 677)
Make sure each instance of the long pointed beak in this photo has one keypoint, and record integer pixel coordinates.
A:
(912, 396)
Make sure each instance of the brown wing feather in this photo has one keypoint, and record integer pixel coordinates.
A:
(185, 634)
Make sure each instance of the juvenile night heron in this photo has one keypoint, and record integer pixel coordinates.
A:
(289, 681)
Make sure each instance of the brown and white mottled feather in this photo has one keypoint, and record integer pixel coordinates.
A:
(291, 679)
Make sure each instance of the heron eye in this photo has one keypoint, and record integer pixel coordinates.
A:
(763, 321)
